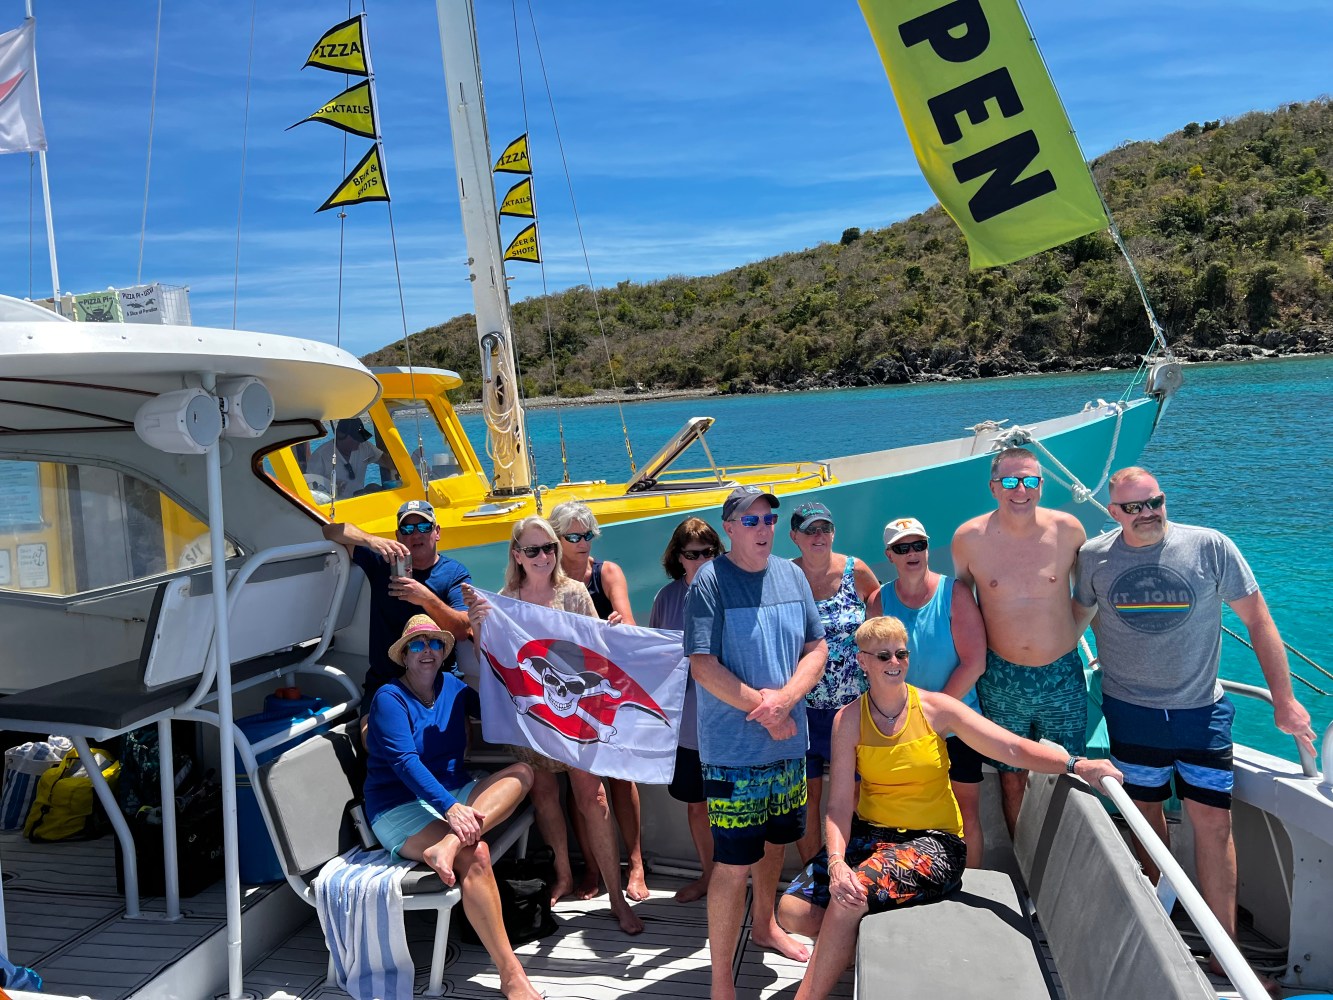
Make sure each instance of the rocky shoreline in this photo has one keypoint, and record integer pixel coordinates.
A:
(955, 366)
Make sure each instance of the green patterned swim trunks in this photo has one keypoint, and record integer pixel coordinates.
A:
(751, 806)
(1039, 703)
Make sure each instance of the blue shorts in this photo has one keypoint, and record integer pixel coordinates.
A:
(749, 807)
(1149, 744)
(819, 722)
(394, 827)
(1037, 703)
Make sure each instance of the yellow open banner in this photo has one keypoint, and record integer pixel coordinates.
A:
(342, 48)
(366, 182)
(986, 124)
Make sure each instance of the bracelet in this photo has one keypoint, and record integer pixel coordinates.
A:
(834, 859)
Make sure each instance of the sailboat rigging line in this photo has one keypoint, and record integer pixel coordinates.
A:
(32, 194)
(583, 246)
(245, 144)
(1158, 334)
(541, 262)
(152, 120)
(1290, 649)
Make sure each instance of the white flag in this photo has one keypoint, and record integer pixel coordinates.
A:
(20, 113)
(142, 303)
(604, 698)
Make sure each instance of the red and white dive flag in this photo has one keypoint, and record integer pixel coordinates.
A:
(20, 113)
(603, 698)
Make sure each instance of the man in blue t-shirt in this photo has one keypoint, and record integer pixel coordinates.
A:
(1157, 591)
(433, 584)
(756, 647)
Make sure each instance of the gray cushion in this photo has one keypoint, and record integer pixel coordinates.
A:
(1107, 933)
(975, 944)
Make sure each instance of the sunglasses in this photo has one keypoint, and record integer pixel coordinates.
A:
(532, 551)
(902, 548)
(575, 537)
(885, 655)
(1134, 506)
(421, 645)
(695, 554)
(419, 527)
(818, 528)
(752, 520)
(1011, 482)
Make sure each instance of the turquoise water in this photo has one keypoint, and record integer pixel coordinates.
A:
(1243, 448)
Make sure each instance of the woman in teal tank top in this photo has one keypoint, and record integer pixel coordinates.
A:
(948, 641)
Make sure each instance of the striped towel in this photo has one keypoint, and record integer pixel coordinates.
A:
(359, 899)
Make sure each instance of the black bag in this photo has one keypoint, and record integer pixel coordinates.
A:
(525, 899)
(198, 842)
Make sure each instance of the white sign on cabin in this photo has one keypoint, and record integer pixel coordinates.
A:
(34, 572)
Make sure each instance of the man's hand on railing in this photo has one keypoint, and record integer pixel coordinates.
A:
(1291, 717)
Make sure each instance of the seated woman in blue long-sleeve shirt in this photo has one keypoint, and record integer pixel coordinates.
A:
(422, 802)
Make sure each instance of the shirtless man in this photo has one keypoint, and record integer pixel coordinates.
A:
(1020, 558)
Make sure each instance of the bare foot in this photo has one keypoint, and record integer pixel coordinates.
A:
(590, 887)
(517, 986)
(636, 888)
(441, 857)
(628, 919)
(783, 943)
(1270, 985)
(697, 889)
(561, 888)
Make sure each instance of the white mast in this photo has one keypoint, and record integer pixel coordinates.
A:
(506, 438)
(46, 184)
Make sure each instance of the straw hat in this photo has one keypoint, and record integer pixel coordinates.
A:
(420, 627)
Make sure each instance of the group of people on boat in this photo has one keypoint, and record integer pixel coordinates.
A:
(798, 668)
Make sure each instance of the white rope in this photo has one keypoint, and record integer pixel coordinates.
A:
(501, 444)
(1017, 437)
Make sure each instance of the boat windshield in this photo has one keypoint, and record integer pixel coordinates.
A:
(67, 529)
(422, 435)
(349, 457)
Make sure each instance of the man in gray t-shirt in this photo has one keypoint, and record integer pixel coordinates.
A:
(1157, 591)
(756, 647)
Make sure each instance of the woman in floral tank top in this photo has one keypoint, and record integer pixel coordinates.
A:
(841, 586)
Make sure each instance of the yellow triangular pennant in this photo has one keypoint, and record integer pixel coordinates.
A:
(514, 160)
(342, 49)
(366, 182)
(524, 246)
(352, 111)
(518, 202)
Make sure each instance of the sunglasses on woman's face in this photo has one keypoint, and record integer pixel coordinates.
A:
(574, 537)
(421, 645)
(695, 554)
(532, 551)
(885, 655)
(818, 528)
(902, 548)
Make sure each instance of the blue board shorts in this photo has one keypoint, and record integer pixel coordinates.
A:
(394, 827)
(1150, 744)
(1037, 703)
(749, 807)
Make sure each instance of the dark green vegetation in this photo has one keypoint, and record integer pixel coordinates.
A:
(1231, 225)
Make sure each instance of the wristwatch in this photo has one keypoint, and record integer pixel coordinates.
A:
(1071, 762)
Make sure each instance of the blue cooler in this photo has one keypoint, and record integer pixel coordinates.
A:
(257, 859)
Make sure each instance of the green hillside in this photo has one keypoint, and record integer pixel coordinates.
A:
(1231, 225)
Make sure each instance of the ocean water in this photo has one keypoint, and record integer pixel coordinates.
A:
(1244, 448)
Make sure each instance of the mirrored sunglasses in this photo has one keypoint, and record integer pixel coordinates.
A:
(532, 551)
(418, 527)
(574, 537)
(421, 645)
(691, 555)
(902, 548)
(1134, 506)
(752, 520)
(1012, 482)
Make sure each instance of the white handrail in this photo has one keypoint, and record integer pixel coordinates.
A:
(1223, 948)
(1308, 766)
(1328, 755)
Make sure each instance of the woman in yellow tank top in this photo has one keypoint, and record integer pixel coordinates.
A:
(902, 843)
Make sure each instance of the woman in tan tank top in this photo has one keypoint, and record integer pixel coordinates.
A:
(897, 839)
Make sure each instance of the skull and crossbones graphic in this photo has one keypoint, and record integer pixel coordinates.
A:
(563, 689)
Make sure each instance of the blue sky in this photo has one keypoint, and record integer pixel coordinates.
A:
(700, 136)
